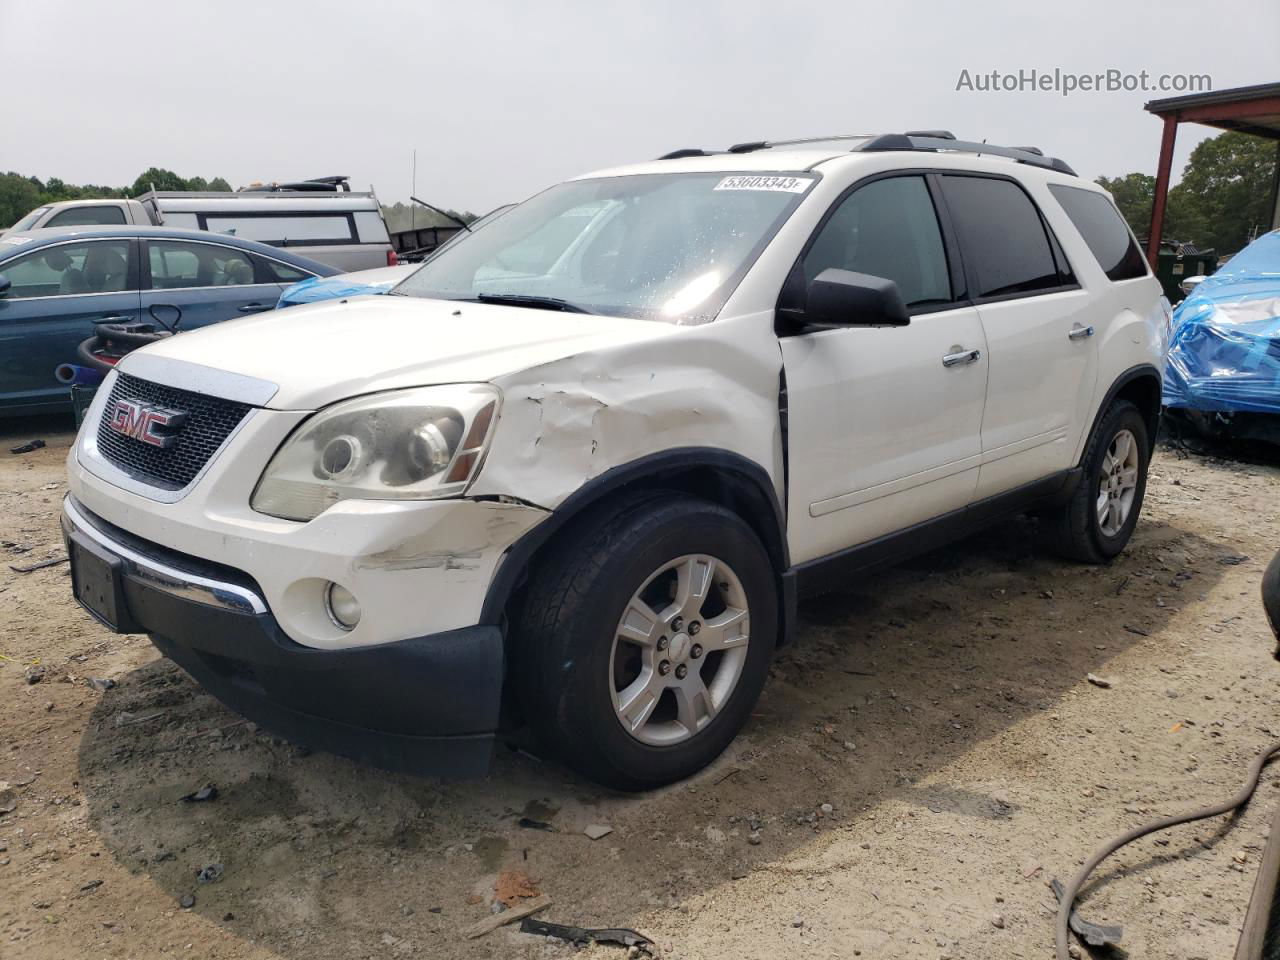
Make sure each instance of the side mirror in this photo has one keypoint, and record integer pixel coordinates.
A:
(842, 298)
(1189, 284)
(5, 284)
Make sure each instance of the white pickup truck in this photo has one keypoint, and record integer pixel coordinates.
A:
(340, 228)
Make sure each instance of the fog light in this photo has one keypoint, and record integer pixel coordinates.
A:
(341, 606)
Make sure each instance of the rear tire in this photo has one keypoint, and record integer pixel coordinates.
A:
(627, 673)
(1097, 522)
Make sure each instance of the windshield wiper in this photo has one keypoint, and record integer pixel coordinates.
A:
(529, 300)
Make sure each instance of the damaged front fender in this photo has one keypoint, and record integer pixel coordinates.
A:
(566, 422)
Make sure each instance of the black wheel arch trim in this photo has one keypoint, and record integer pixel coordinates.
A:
(746, 477)
(1138, 372)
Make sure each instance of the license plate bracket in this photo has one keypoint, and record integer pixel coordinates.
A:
(97, 581)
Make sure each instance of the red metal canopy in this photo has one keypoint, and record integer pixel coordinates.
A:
(1253, 110)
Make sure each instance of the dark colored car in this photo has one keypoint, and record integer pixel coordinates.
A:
(56, 285)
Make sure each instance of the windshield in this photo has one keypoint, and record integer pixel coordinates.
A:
(26, 222)
(1259, 259)
(658, 247)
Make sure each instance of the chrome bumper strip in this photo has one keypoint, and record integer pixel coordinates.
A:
(162, 576)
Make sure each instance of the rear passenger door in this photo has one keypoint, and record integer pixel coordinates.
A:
(883, 422)
(208, 282)
(1036, 317)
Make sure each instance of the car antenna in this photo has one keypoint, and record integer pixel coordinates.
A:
(442, 213)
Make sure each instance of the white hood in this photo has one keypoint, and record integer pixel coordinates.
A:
(319, 353)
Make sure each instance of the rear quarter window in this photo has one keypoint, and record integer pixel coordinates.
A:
(1103, 230)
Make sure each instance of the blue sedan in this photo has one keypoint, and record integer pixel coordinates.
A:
(57, 284)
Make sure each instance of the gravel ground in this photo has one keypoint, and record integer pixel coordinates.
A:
(924, 759)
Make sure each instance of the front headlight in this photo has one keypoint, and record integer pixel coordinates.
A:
(418, 444)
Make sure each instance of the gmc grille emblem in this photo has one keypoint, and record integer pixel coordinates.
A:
(142, 421)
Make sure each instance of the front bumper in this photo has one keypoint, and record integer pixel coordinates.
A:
(426, 705)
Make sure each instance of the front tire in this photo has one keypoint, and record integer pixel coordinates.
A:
(1097, 522)
(645, 638)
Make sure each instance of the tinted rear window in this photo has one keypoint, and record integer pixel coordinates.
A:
(1002, 235)
(86, 217)
(283, 231)
(1104, 230)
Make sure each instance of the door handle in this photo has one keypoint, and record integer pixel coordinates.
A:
(1080, 333)
(965, 356)
(119, 318)
(253, 307)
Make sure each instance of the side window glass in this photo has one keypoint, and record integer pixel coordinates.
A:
(99, 266)
(1002, 235)
(889, 229)
(175, 263)
(86, 217)
(1103, 230)
(273, 271)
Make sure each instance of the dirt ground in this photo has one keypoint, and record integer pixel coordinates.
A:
(941, 710)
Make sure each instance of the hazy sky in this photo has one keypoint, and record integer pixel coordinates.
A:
(502, 99)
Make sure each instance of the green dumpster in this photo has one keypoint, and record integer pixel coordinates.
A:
(1173, 267)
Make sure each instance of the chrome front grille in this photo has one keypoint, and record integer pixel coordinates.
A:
(209, 421)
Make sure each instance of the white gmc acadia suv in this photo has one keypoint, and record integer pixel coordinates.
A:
(576, 470)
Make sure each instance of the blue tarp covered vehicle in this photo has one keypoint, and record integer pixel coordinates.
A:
(1224, 352)
(314, 289)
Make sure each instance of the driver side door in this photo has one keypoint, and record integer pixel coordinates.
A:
(884, 423)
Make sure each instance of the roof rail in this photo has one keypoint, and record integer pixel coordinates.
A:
(753, 145)
(1031, 156)
(919, 140)
(687, 152)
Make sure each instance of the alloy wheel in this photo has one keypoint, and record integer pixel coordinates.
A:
(679, 649)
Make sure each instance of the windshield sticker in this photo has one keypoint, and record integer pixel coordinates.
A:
(18, 241)
(784, 184)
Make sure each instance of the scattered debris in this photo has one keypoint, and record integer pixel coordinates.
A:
(528, 823)
(91, 885)
(8, 798)
(210, 874)
(513, 886)
(584, 936)
(827, 809)
(187, 901)
(1138, 630)
(1232, 560)
(1030, 869)
(101, 684)
(35, 673)
(597, 830)
(203, 795)
(54, 561)
(997, 921)
(1098, 681)
(493, 922)
(29, 447)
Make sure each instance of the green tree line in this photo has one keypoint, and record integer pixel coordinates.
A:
(20, 195)
(1222, 202)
